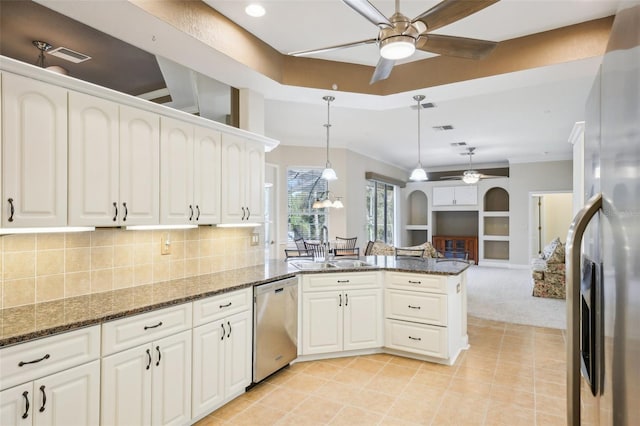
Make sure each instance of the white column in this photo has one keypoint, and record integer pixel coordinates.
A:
(251, 111)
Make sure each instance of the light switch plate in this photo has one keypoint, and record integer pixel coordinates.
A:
(165, 244)
(255, 239)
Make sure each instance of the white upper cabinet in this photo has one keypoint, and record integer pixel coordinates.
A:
(34, 157)
(113, 163)
(242, 180)
(190, 174)
(455, 195)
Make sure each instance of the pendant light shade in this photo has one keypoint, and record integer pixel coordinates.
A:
(328, 173)
(418, 174)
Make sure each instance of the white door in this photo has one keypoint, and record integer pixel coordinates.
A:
(207, 151)
(93, 161)
(69, 398)
(238, 352)
(233, 179)
(208, 368)
(126, 387)
(16, 405)
(139, 167)
(34, 157)
(254, 190)
(176, 172)
(443, 195)
(363, 319)
(466, 195)
(171, 381)
(322, 322)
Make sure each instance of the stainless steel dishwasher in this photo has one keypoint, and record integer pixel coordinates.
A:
(275, 326)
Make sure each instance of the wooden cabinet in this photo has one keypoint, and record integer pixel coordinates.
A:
(190, 174)
(425, 315)
(222, 351)
(52, 381)
(34, 153)
(242, 180)
(457, 247)
(336, 320)
(466, 195)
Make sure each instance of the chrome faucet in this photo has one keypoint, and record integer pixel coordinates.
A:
(324, 234)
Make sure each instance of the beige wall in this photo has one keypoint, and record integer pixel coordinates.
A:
(350, 168)
(43, 267)
(557, 214)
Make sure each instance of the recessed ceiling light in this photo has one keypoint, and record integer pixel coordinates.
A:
(255, 10)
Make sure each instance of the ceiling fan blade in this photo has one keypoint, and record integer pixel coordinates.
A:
(330, 48)
(383, 70)
(369, 12)
(455, 46)
(451, 178)
(449, 11)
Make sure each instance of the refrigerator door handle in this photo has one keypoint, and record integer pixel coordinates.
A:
(573, 255)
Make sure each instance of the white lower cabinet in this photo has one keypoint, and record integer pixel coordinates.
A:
(67, 398)
(149, 384)
(341, 320)
(221, 354)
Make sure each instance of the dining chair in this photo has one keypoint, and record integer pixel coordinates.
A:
(346, 247)
(406, 252)
(318, 251)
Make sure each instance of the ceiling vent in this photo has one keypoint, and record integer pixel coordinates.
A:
(454, 144)
(424, 105)
(69, 55)
(445, 127)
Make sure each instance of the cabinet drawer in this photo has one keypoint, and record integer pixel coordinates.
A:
(216, 307)
(429, 308)
(424, 282)
(139, 329)
(316, 282)
(52, 354)
(417, 338)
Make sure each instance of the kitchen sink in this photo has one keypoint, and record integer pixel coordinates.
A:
(312, 266)
(350, 263)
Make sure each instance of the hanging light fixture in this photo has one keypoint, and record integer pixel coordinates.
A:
(470, 176)
(328, 173)
(43, 47)
(418, 174)
(326, 200)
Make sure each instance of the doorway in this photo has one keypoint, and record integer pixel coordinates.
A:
(550, 215)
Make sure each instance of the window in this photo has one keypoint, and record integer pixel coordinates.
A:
(380, 211)
(303, 187)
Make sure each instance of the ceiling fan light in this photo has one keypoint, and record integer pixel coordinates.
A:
(329, 173)
(337, 204)
(418, 174)
(398, 47)
(470, 176)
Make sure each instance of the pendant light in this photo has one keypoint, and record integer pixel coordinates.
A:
(418, 174)
(328, 173)
(470, 176)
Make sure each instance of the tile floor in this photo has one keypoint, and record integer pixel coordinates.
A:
(512, 375)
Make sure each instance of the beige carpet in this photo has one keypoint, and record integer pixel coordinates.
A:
(505, 295)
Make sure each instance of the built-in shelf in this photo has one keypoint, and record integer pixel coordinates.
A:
(496, 238)
(417, 227)
(496, 214)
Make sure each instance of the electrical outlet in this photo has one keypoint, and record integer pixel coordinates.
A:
(165, 243)
(255, 239)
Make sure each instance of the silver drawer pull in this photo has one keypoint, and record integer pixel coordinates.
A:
(147, 327)
(415, 282)
(413, 307)
(415, 338)
(35, 361)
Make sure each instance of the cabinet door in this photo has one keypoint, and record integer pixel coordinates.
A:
(363, 319)
(16, 405)
(254, 191)
(466, 195)
(322, 322)
(208, 368)
(443, 195)
(126, 387)
(139, 167)
(233, 179)
(176, 172)
(207, 176)
(93, 161)
(171, 381)
(34, 157)
(238, 353)
(71, 397)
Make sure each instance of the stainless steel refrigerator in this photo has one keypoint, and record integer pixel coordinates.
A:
(603, 245)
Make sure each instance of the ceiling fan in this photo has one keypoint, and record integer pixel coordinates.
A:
(470, 175)
(399, 37)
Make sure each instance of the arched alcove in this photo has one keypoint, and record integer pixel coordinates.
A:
(496, 200)
(418, 205)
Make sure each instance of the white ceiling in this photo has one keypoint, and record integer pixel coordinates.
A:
(523, 116)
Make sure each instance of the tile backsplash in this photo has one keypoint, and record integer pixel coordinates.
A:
(43, 267)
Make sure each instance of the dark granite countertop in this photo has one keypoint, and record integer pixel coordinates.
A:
(27, 322)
